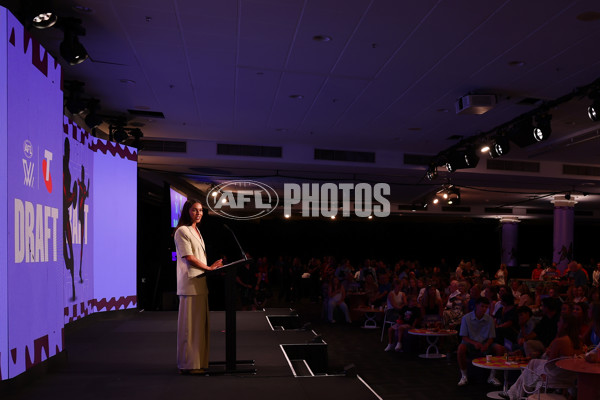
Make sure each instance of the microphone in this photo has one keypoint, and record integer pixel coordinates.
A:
(238, 243)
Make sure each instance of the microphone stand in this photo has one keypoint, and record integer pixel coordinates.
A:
(231, 363)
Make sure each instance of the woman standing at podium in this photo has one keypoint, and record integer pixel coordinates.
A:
(192, 325)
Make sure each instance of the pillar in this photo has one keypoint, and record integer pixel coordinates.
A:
(510, 238)
(564, 215)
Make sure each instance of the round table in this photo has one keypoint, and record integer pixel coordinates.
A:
(370, 315)
(588, 377)
(432, 337)
(500, 363)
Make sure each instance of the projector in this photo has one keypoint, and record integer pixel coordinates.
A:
(475, 103)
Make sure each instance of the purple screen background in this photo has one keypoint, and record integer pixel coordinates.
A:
(3, 199)
(177, 201)
(36, 287)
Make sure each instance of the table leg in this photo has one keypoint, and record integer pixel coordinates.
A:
(370, 322)
(496, 394)
(432, 350)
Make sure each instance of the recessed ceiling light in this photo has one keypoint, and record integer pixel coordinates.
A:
(83, 9)
(516, 63)
(296, 96)
(127, 81)
(322, 38)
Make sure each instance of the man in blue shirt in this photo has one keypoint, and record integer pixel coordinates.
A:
(478, 333)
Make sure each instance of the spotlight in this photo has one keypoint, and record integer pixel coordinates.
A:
(71, 50)
(594, 108)
(43, 20)
(525, 133)
(543, 128)
(120, 135)
(499, 147)
(137, 138)
(462, 159)
(93, 120)
(453, 196)
(432, 172)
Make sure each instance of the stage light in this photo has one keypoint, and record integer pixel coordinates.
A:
(499, 147)
(71, 50)
(43, 20)
(93, 120)
(461, 160)
(436, 201)
(525, 133)
(453, 196)
(485, 148)
(120, 135)
(431, 172)
(594, 108)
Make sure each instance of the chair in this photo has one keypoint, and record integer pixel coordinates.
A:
(551, 380)
(389, 317)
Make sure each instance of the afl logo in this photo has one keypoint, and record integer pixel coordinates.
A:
(27, 149)
(242, 200)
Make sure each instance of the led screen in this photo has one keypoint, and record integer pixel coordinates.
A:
(34, 200)
(115, 225)
(177, 201)
(3, 206)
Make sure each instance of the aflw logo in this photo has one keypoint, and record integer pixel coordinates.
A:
(29, 167)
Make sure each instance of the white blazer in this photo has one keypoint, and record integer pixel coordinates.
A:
(189, 243)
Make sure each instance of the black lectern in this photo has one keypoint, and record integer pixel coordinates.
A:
(231, 363)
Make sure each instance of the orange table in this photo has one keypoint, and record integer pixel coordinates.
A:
(500, 363)
(432, 337)
(588, 377)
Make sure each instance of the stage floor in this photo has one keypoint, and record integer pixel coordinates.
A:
(131, 354)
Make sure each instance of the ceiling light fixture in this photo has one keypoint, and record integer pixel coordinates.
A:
(462, 159)
(499, 147)
(71, 50)
(432, 172)
(44, 20)
(594, 108)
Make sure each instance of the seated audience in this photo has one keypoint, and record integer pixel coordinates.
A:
(337, 295)
(456, 306)
(506, 321)
(395, 301)
(592, 335)
(478, 333)
(431, 306)
(526, 326)
(408, 318)
(566, 344)
(545, 330)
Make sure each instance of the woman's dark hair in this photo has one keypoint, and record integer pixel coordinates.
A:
(185, 218)
(571, 328)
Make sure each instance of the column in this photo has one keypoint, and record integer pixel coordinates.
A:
(510, 238)
(563, 230)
